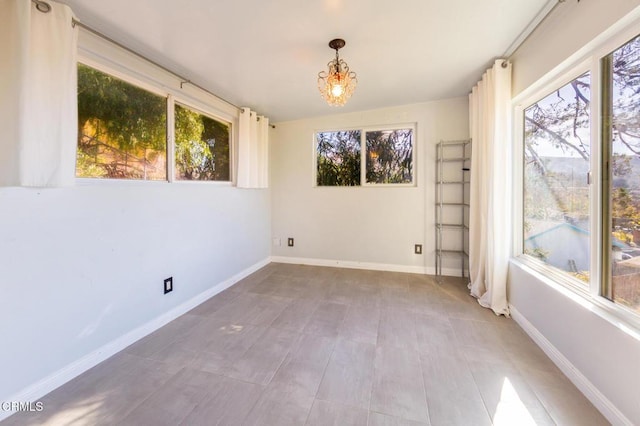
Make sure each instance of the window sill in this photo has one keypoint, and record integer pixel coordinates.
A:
(371, 185)
(617, 316)
(139, 182)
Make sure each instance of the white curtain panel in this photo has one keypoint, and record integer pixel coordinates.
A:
(253, 150)
(38, 95)
(490, 210)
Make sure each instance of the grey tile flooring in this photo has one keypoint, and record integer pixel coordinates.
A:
(228, 407)
(324, 413)
(349, 374)
(397, 388)
(262, 360)
(327, 319)
(296, 345)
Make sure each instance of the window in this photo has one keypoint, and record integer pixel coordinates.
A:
(338, 158)
(202, 146)
(560, 206)
(122, 129)
(621, 91)
(122, 134)
(387, 157)
(556, 191)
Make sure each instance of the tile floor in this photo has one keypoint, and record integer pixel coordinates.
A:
(296, 345)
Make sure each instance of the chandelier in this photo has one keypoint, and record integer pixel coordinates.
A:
(337, 84)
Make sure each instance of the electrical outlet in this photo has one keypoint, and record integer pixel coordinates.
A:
(168, 285)
(417, 249)
(290, 242)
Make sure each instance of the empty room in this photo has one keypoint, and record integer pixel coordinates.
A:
(320, 212)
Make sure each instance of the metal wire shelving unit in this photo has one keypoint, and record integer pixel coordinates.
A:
(453, 164)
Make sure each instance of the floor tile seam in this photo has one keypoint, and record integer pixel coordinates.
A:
(159, 388)
(171, 342)
(313, 311)
(522, 369)
(394, 372)
(531, 388)
(240, 356)
(477, 388)
(344, 404)
(326, 365)
(284, 358)
(537, 392)
(424, 387)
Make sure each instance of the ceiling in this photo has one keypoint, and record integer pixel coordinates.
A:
(266, 54)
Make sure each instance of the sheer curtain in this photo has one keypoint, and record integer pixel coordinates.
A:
(253, 150)
(490, 210)
(38, 101)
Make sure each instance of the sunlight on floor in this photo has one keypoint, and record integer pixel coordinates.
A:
(83, 412)
(232, 329)
(511, 410)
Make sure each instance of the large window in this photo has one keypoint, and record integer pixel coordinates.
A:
(556, 191)
(622, 150)
(561, 205)
(365, 157)
(122, 134)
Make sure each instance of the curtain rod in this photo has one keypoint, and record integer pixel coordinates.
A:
(44, 7)
(183, 80)
(540, 17)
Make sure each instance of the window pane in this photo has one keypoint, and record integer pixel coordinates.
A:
(338, 158)
(556, 192)
(625, 175)
(202, 146)
(121, 129)
(389, 156)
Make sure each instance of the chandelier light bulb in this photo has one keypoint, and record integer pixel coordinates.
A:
(337, 90)
(337, 84)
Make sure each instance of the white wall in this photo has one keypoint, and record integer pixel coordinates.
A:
(361, 224)
(606, 358)
(81, 267)
(569, 28)
(606, 355)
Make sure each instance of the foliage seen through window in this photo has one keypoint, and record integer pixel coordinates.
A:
(202, 146)
(121, 129)
(388, 157)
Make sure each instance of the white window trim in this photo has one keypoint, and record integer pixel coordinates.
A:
(363, 155)
(586, 59)
(109, 58)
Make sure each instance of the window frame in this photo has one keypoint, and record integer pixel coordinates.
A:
(518, 243)
(587, 59)
(140, 84)
(413, 126)
(111, 59)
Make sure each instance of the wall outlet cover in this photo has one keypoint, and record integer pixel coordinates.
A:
(290, 242)
(168, 285)
(417, 249)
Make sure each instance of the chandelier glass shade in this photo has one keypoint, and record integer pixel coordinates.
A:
(337, 84)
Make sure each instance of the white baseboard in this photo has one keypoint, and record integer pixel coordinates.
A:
(428, 270)
(593, 394)
(65, 374)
